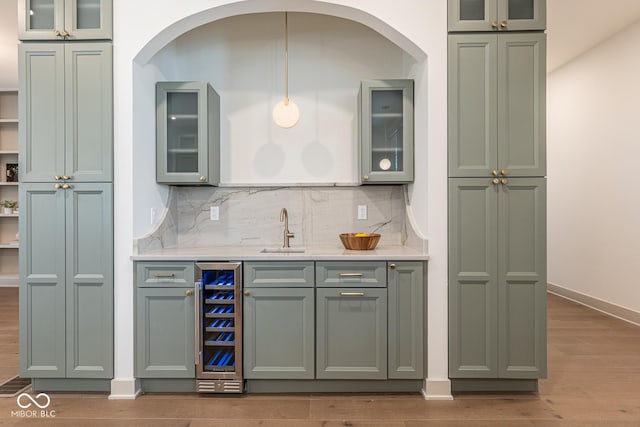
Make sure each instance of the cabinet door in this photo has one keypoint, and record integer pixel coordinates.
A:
(497, 15)
(407, 322)
(351, 333)
(279, 333)
(165, 322)
(386, 134)
(187, 133)
(64, 19)
(88, 19)
(89, 280)
(521, 15)
(522, 278)
(42, 281)
(521, 104)
(89, 112)
(41, 111)
(473, 105)
(473, 293)
(473, 15)
(40, 19)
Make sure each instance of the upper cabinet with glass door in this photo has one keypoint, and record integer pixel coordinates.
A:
(187, 134)
(386, 131)
(497, 15)
(65, 19)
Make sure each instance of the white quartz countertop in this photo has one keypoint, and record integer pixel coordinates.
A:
(253, 253)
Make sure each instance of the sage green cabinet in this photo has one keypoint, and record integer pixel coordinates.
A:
(497, 111)
(406, 294)
(497, 15)
(187, 134)
(65, 19)
(66, 112)
(66, 289)
(497, 278)
(351, 333)
(165, 320)
(279, 320)
(386, 131)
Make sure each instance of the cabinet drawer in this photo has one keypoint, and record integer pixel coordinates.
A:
(270, 274)
(169, 274)
(349, 273)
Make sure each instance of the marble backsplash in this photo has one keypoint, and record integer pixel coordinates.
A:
(251, 216)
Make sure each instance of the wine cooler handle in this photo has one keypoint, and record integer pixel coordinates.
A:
(351, 294)
(198, 321)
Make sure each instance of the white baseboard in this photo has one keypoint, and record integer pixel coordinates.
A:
(597, 304)
(437, 390)
(124, 389)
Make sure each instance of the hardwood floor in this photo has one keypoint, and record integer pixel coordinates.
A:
(594, 380)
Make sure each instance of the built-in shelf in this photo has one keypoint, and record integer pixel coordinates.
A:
(9, 246)
(9, 183)
(9, 121)
(13, 215)
(8, 152)
(9, 155)
(8, 279)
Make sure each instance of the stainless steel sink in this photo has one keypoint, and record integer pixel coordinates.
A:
(282, 250)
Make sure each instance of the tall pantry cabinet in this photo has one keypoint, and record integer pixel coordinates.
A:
(497, 194)
(66, 202)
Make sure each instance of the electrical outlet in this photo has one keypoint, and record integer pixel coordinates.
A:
(362, 211)
(214, 213)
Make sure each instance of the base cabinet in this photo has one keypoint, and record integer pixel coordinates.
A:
(66, 294)
(165, 320)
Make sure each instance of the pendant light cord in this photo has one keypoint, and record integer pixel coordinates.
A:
(286, 58)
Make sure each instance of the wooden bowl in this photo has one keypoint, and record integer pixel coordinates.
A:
(360, 241)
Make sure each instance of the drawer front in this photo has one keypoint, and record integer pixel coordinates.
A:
(165, 274)
(349, 273)
(278, 274)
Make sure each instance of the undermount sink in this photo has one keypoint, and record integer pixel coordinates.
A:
(282, 250)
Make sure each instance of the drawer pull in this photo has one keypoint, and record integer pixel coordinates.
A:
(350, 274)
(165, 275)
(351, 294)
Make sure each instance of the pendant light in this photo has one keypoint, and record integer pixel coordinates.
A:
(285, 113)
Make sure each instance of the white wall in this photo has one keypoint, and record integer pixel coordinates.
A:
(8, 44)
(593, 151)
(418, 27)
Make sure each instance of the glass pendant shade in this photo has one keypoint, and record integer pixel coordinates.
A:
(286, 113)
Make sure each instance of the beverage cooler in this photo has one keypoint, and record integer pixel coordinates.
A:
(219, 327)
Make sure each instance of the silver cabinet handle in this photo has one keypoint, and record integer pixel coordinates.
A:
(352, 294)
(350, 274)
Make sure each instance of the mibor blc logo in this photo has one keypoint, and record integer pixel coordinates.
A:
(33, 407)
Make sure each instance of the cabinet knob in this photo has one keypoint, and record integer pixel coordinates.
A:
(392, 266)
(203, 179)
(57, 33)
(57, 186)
(504, 172)
(66, 33)
(495, 181)
(503, 24)
(494, 24)
(504, 181)
(246, 293)
(57, 177)
(366, 177)
(65, 177)
(495, 172)
(188, 292)
(66, 186)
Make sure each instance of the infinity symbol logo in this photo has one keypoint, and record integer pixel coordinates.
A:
(21, 397)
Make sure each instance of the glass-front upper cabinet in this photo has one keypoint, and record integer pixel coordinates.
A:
(187, 134)
(497, 15)
(65, 19)
(386, 131)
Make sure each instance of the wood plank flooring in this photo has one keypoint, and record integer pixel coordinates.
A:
(594, 380)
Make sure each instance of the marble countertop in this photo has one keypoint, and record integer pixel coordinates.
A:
(253, 253)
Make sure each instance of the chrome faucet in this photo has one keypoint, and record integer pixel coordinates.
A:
(284, 216)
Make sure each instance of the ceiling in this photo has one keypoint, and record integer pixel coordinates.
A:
(575, 26)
